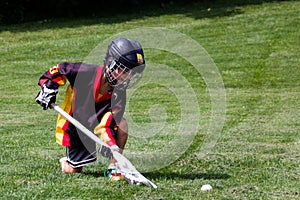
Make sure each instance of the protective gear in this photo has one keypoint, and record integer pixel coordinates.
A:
(124, 62)
(47, 95)
(107, 152)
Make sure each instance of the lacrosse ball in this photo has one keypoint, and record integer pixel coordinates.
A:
(206, 187)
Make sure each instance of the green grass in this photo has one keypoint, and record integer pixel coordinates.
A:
(256, 48)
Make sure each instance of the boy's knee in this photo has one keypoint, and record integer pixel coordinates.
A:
(66, 168)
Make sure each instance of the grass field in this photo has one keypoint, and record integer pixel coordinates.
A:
(256, 49)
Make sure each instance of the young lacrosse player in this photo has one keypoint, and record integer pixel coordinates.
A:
(96, 98)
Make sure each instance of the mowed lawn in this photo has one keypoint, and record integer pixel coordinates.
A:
(256, 49)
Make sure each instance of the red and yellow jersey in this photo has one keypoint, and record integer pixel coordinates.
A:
(84, 102)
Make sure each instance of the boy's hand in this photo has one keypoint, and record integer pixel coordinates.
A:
(46, 96)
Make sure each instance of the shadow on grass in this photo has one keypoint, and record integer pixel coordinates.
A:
(193, 9)
(171, 175)
(93, 173)
(189, 176)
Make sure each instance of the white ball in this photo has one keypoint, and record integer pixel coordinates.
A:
(206, 187)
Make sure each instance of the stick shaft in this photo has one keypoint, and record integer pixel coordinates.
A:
(78, 125)
(119, 157)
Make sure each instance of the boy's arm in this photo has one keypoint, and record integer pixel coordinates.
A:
(53, 78)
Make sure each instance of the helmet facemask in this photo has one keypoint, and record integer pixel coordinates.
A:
(121, 77)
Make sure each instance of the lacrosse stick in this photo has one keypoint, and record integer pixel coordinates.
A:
(127, 169)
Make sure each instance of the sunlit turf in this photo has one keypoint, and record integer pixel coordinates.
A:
(256, 49)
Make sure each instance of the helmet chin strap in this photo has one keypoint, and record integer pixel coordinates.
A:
(105, 86)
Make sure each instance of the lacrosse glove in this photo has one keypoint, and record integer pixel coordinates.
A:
(107, 152)
(47, 95)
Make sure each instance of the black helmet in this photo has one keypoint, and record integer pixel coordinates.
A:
(126, 55)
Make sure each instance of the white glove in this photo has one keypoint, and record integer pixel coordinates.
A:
(46, 96)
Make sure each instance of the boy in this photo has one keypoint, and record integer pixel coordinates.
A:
(96, 98)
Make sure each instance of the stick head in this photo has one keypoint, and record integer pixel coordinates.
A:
(131, 175)
(123, 163)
